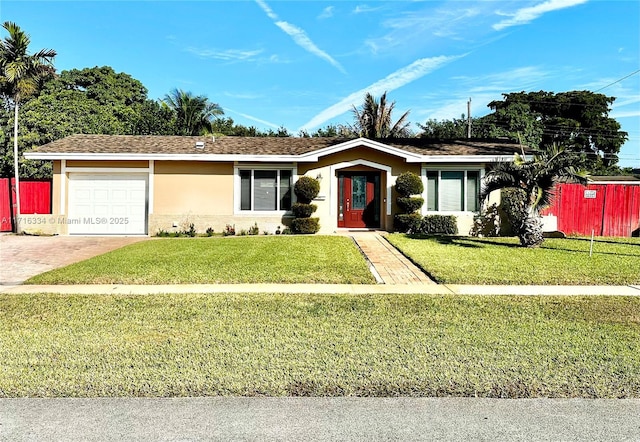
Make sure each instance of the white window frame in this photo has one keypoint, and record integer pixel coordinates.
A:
(439, 170)
(237, 200)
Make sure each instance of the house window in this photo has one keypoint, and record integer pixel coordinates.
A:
(265, 189)
(452, 190)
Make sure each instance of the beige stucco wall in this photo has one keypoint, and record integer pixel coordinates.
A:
(358, 159)
(185, 192)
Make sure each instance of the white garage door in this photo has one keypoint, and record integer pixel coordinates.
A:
(107, 204)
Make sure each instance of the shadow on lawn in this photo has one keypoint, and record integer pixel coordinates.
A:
(476, 243)
(461, 241)
(573, 238)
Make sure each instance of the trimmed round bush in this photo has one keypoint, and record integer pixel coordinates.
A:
(305, 225)
(408, 183)
(410, 204)
(301, 210)
(438, 225)
(407, 222)
(306, 189)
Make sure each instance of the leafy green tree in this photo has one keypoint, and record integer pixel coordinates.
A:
(456, 128)
(92, 101)
(373, 119)
(194, 113)
(21, 74)
(153, 118)
(578, 120)
(534, 179)
(329, 131)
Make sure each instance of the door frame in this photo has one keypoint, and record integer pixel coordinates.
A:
(373, 192)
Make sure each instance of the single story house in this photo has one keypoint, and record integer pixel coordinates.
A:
(137, 185)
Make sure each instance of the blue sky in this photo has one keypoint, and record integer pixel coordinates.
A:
(303, 64)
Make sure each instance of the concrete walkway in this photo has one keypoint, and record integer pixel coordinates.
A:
(389, 265)
(318, 419)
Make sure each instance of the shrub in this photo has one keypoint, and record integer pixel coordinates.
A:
(408, 183)
(229, 230)
(410, 204)
(513, 205)
(487, 222)
(438, 225)
(190, 231)
(306, 189)
(163, 233)
(305, 225)
(254, 230)
(301, 210)
(209, 231)
(407, 222)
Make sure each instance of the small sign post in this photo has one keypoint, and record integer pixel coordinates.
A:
(590, 194)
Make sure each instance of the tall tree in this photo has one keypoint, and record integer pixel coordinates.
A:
(534, 180)
(94, 100)
(456, 128)
(21, 74)
(579, 120)
(194, 113)
(373, 119)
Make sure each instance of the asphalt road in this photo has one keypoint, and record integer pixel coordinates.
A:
(315, 419)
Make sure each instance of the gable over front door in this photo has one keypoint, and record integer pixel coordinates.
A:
(359, 199)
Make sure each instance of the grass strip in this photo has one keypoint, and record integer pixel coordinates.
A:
(231, 260)
(319, 345)
(467, 260)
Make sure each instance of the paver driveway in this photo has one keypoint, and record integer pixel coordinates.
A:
(22, 257)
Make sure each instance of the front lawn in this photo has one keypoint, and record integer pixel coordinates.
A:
(466, 260)
(251, 259)
(319, 345)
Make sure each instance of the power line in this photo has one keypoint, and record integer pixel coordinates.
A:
(618, 81)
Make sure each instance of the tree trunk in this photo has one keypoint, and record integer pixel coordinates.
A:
(530, 233)
(17, 219)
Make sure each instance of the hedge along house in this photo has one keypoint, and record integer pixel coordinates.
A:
(137, 185)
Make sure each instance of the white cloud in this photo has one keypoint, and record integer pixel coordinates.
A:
(527, 15)
(227, 54)
(362, 9)
(430, 23)
(302, 40)
(252, 118)
(397, 79)
(327, 12)
(299, 36)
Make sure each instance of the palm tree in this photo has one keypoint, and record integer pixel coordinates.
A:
(21, 74)
(194, 114)
(534, 179)
(373, 119)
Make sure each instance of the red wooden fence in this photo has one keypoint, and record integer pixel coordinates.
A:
(608, 209)
(35, 198)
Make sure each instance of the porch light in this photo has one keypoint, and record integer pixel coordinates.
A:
(319, 177)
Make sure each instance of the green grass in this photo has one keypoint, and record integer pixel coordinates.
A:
(319, 345)
(465, 260)
(256, 259)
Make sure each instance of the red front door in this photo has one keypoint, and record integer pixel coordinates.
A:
(359, 199)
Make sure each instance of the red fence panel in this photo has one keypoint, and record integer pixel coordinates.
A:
(5, 205)
(621, 212)
(607, 209)
(35, 198)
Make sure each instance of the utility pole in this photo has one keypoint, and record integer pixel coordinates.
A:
(469, 118)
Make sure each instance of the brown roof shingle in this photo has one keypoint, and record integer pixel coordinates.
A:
(227, 145)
